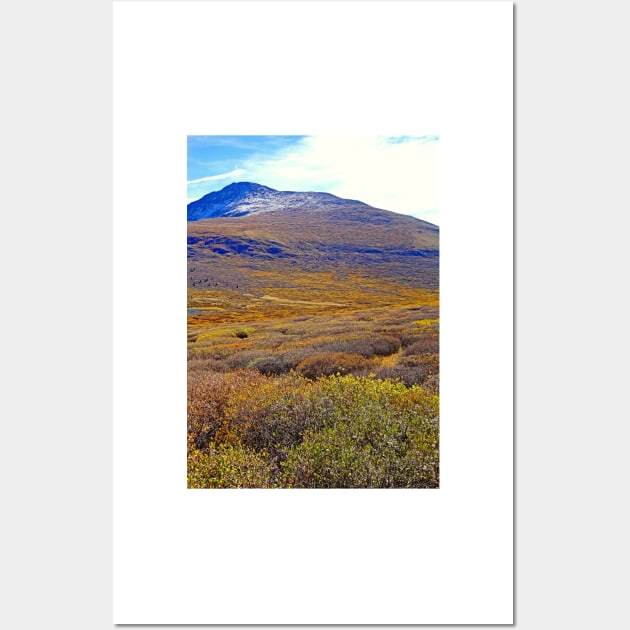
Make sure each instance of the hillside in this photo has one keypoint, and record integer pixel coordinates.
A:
(340, 251)
(313, 343)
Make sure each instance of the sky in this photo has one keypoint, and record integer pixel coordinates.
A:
(397, 173)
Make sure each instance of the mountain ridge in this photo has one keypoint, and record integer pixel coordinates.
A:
(249, 198)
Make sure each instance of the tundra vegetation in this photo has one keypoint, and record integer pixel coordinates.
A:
(283, 393)
(310, 364)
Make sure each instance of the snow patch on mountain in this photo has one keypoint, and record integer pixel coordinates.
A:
(244, 198)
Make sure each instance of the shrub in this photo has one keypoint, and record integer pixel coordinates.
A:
(408, 338)
(270, 365)
(380, 435)
(327, 363)
(208, 397)
(241, 359)
(204, 365)
(228, 466)
(408, 375)
(412, 369)
(274, 415)
(294, 356)
(368, 347)
(426, 345)
(384, 345)
(429, 362)
(432, 383)
(216, 352)
(247, 429)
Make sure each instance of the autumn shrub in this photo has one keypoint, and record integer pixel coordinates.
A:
(204, 365)
(239, 360)
(408, 338)
(294, 356)
(217, 352)
(432, 383)
(208, 396)
(378, 434)
(274, 415)
(247, 429)
(270, 365)
(408, 375)
(384, 345)
(410, 369)
(229, 466)
(430, 362)
(365, 345)
(425, 345)
(327, 363)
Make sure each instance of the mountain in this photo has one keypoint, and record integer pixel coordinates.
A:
(245, 198)
(255, 238)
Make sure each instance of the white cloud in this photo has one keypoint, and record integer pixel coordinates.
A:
(211, 178)
(396, 174)
(399, 174)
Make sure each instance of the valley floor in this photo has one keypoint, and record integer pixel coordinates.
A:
(329, 388)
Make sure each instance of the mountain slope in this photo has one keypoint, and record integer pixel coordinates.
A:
(263, 240)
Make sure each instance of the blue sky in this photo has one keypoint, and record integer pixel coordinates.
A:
(394, 173)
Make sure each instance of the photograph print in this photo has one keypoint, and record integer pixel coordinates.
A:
(313, 312)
